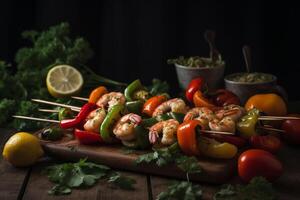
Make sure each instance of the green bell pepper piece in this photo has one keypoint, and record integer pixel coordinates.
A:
(134, 107)
(136, 91)
(142, 137)
(149, 122)
(111, 118)
(171, 115)
(65, 113)
(247, 124)
(131, 88)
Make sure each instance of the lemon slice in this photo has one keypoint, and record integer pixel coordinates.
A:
(64, 81)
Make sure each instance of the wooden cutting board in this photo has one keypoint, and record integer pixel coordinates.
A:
(214, 170)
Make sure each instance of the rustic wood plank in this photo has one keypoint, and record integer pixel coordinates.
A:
(12, 179)
(38, 186)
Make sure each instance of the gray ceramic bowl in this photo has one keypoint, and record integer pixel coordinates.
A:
(245, 90)
(213, 76)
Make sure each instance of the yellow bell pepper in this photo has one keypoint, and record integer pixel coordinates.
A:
(212, 148)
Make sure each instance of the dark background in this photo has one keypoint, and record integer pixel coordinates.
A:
(133, 39)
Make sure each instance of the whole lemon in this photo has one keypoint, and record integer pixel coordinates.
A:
(22, 149)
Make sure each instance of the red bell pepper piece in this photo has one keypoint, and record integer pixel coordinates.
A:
(87, 137)
(223, 97)
(268, 143)
(187, 138)
(237, 141)
(195, 85)
(201, 101)
(152, 103)
(82, 115)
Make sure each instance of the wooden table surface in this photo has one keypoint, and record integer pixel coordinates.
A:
(30, 184)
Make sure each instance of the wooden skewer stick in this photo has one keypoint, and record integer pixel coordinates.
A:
(271, 129)
(269, 119)
(56, 104)
(35, 119)
(56, 121)
(279, 117)
(80, 98)
(48, 110)
(54, 111)
(217, 132)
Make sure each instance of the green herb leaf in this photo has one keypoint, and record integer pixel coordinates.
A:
(158, 87)
(122, 182)
(170, 155)
(189, 164)
(258, 188)
(181, 191)
(59, 190)
(83, 174)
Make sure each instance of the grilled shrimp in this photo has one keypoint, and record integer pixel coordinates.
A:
(174, 105)
(226, 124)
(111, 99)
(124, 128)
(235, 112)
(168, 129)
(94, 120)
(202, 114)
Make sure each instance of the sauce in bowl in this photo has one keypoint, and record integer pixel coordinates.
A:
(255, 77)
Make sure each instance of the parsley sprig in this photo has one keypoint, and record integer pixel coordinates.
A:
(171, 155)
(83, 174)
(258, 188)
(189, 164)
(181, 190)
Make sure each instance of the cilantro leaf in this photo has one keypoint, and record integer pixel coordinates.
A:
(83, 174)
(188, 164)
(158, 87)
(123, 182)
(258, 188)
(182, 191)
(171, 155)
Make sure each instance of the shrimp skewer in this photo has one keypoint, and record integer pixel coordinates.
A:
(174, 105)
(94, 120)
(226, 124)
(202, 114)
(235, 112)
(124, 128)
(168, 130)
(110, 99)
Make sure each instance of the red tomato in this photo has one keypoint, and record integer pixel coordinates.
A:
(268, 143)
(256, 162)
(292, 130)
(224, 97)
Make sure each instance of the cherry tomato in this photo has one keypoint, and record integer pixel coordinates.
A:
(256, 162)
(268, 143)
(224, 97)
(292, 130)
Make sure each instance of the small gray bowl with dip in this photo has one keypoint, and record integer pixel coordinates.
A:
(213, 75)
(245, 86)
